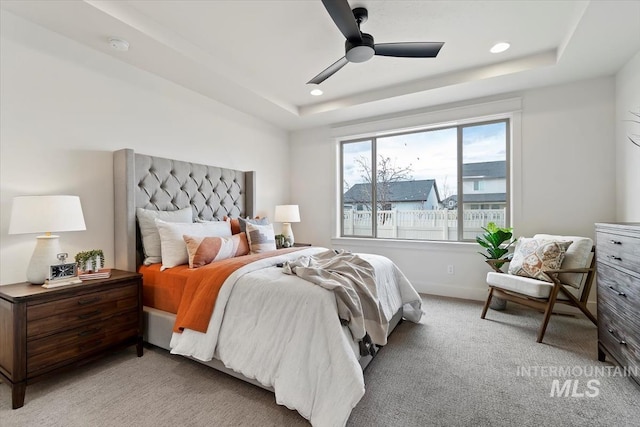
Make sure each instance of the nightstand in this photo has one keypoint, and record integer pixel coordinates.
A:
(43, 331)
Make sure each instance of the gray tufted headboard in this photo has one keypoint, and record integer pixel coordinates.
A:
(142, 181)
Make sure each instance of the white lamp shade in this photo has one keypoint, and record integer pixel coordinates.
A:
(46, 214)
(287, 213)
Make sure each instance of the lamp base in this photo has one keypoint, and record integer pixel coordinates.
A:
(44, 256)
(287, 232)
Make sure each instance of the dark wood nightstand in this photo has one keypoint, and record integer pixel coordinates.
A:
(43, 331)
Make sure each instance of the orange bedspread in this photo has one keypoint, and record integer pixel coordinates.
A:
(191, 293)
(163, 289)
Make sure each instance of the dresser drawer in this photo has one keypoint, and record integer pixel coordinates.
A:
(80, 347)
(618, 250)
(52, 308)
(620, 292)
(82, 315)
(619, 338)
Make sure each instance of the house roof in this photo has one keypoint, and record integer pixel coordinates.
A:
(495, 169)
(402, 191)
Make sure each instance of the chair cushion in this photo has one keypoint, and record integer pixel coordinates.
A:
(532, 256)
(527, 286)
(578, 255)
(522, 285)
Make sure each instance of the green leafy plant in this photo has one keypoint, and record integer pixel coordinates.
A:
(496, 240)
(86, 258)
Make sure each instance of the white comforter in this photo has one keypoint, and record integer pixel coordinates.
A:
(284, 332)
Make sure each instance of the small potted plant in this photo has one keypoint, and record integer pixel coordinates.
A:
(497, 241)
(90, 261)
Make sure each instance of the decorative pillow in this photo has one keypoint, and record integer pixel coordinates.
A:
(235, 224)
(532, 256)
(578, 256)
(149, 231)
(257, 221)
(174, 249)
(204, 250)
(261, 238)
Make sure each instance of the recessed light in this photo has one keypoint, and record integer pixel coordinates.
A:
(316, 92)
(119, 44)
(500, 47)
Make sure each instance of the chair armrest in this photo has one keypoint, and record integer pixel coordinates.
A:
(570, 270)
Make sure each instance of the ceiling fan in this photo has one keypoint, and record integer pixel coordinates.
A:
(360, 46)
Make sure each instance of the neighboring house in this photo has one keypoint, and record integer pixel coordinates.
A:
(402, 196)
(483, 186)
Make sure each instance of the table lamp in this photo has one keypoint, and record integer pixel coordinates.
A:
(45, 214)
(286, 214)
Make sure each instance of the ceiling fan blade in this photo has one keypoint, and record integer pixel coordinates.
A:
(409, 50)
(329, 71)
(341, 13)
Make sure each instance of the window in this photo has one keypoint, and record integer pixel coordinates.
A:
(436, 184)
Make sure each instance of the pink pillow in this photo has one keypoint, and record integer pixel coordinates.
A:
(204, 250)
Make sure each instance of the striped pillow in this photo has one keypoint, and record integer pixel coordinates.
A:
(204, 250)
(261, 238)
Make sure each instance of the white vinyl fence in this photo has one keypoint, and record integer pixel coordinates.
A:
(421, 224)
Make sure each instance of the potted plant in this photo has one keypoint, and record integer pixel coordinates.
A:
(90, 261)
(497, 241)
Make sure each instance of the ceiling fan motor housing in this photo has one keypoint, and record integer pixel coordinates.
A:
(360, 51)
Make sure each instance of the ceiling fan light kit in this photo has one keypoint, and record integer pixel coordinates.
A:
(360, 47)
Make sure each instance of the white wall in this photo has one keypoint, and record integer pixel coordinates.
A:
(65, 108)
(627, 154)
(563, 160)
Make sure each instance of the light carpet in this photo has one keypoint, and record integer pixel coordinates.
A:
(453, 369)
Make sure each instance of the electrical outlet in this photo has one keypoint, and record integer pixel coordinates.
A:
(450, 269)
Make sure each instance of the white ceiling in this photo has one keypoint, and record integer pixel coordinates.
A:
(256, 56)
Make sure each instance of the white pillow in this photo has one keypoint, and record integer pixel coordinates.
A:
(174, 249)
(149, 231)
(261, 238)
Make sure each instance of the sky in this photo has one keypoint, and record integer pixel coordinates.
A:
(431, 154)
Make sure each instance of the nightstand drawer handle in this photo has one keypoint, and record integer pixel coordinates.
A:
(90, 314)
(88, 301)
(622, 294)
(616, 242)
(88, 332)
(621, 342)
(617, 258)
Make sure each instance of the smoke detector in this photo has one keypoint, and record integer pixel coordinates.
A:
(119, 44)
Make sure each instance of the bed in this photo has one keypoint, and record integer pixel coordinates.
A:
(300, 351)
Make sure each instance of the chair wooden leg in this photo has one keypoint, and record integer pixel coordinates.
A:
(587, 313)
(486, 304)
(547, 312)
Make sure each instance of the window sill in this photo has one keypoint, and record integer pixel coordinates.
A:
(425, 245)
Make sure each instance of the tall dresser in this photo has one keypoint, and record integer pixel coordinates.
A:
(618, 269)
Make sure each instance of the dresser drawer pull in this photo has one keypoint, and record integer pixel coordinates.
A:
(88, 301)
(88, 332)
(616, 242)
(90, 314)
(617, 258)
(621, 342)
(622, 294)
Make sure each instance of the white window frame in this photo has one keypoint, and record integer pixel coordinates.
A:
(460, 113)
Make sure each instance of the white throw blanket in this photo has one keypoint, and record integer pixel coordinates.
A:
(352, 280)
(285, 333)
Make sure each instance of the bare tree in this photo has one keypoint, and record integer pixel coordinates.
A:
(387, 172)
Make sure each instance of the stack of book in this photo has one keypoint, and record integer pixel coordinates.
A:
(100, 274)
